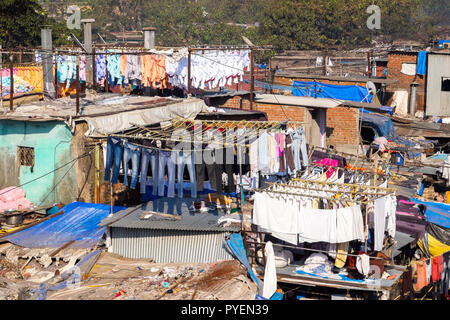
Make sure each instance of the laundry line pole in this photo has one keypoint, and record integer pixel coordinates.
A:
(1, 78)
(252, 77)
(77, 89)
(11, 83)
(189, 72)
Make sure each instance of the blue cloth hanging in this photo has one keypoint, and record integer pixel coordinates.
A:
(422, 63)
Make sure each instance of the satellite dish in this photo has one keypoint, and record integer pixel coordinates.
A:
(370, 86)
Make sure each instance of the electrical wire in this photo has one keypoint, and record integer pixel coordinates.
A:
(50, 172)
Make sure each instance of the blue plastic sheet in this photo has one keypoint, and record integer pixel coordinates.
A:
(384, 127)
(324, 90)
(342, 277)
(437, 213)
(422, 63)
(236, 246)
(80, 221)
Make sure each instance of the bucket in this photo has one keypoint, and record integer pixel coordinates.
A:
(14, 219)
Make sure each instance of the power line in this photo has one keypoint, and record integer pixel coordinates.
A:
(50, 172)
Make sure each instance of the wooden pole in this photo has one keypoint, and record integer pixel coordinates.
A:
(97, 174)
(94, 81)
(56, 74)
(324, 63)
(11, 83)
(252, 77)
(189, 72)
(106, 78)
(77, 89)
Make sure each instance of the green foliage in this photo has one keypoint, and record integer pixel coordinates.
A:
(21, 22)
(319, 24)
(284, 24)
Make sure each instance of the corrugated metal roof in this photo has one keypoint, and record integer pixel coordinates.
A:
(191, 220)
(402, 240)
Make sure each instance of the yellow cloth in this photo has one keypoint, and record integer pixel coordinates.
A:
(32, 75)
(435, 247)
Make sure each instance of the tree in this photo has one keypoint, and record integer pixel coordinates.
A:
(21, 22)
(319, 24)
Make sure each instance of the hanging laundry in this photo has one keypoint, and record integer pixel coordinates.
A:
(153, 68)
(100, 68)
(133, 68)
(114, 73)
(123, 65)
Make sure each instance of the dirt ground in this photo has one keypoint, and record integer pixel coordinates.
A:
(113, 277)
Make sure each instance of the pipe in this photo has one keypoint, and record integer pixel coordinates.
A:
(47, 63)
(412, 99)
(149, 37)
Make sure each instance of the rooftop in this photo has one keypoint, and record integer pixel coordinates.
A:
(140, 217)
(334, 78)
(108, 113)
(314, 102)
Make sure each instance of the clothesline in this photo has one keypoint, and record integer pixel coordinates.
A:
(344, 185)
(334, 200)
(228, 140)
(324, 190)
(350, 168)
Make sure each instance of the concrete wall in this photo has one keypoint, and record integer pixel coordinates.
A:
(438, 101)
(51, 141)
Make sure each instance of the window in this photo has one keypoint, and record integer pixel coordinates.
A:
(445, 85)
(25, 156)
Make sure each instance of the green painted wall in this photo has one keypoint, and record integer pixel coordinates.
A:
(51, 141)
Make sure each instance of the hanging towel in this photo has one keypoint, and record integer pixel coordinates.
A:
(270, 272)
(363, 264)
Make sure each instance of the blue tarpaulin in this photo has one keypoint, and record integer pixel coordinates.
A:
(442, 42)
(80, 222)
(236, 246)
(324, 90)
(384, 127)
(422, 63)
(437, 213)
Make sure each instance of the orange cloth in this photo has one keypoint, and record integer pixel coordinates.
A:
(349, 167)
(153, 68)
(123, 64)
(32, 75)
(421, 274)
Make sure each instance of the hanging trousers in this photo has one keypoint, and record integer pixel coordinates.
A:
(114, 158)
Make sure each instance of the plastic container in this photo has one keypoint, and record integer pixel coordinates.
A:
(400, 159)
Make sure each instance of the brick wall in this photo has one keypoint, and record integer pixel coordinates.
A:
(343, 126)
(395, 61)
(289, 81)
(277, 112)
(274, 112)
